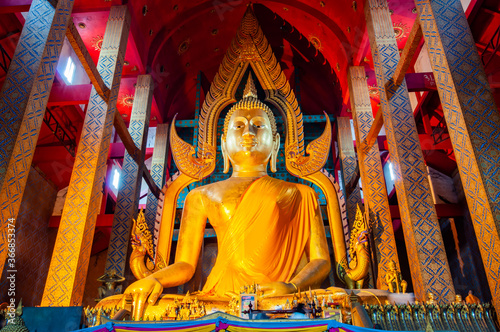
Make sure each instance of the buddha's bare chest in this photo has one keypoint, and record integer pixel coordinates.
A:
(224, 199)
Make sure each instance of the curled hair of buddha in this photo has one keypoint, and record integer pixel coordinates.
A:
(250, 101)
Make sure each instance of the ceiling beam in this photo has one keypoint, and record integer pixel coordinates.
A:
(88, 64)
(103, 91)
(393, 84)
(491, 12)
(406, 58)
(377, 124)
(414, 82)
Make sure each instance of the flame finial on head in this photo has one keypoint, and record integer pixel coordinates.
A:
(250, 90)
(250, 101)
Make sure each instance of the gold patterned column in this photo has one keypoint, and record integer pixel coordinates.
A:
(372, 174)
(69, 264)
(158, 172)
(424, 243)
(129, 188)
(23, 99)
(349, 163)
(473, 123)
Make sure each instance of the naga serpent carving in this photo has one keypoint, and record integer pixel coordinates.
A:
(356, 271)
(142, 261)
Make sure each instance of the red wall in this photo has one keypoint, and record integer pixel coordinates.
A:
(34, 241)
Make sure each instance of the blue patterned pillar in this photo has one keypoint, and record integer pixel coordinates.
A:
(158, 173)
(473, 122)
(23, 100)
(372, 174)
(130, 178)
(424, 243)
(68, 267)
(349, 162)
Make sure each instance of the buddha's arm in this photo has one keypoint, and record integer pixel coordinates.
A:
(319, 259)
(191, 233)
(188, 249)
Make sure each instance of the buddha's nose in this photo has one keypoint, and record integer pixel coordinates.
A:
(248, 130)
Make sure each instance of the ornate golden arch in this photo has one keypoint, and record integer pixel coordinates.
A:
(250, 48)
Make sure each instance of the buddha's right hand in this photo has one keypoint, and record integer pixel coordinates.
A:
(147, 289)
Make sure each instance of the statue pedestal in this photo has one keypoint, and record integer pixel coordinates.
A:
(173, 306)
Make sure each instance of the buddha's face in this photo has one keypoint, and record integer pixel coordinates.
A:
(249, 138)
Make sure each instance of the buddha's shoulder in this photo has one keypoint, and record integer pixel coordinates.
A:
(298, 186)
(210, 188)
(302, 188)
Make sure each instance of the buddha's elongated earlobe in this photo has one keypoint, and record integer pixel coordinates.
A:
(225, 157)
(274, 153)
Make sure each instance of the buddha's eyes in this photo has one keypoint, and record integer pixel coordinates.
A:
(256, 123)
(239, 125)
(259, 124)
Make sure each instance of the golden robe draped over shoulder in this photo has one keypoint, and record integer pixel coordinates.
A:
(265, 238)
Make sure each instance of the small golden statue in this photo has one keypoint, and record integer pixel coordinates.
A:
(233, 306)
(110, 280)
(430, 299)
(394, 279)
(472, 299)
(184, 313)
(187, 298)
(458, 299)
(171, 312)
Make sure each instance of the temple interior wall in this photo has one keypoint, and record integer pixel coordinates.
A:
(34, 240)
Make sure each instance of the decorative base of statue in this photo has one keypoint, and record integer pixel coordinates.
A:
(193, 306)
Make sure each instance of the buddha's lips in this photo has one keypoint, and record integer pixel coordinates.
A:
(248, 143)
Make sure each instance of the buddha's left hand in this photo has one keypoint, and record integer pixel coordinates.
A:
(277, 288)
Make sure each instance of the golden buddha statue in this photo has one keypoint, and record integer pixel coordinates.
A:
(269, 231)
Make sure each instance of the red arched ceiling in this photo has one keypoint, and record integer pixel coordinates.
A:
(182, 39)
(197, 34)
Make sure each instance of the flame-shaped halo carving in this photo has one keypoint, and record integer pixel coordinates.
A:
(184, 158)
(250, 48)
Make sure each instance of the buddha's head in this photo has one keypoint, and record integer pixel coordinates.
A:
(250, 139)
(392, 265)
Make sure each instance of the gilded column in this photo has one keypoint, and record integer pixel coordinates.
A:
(349, 163)
(158, 172)
(473, 122)
(424, 243)
(372, 174)
(23, 100)
(69, 264)
(130, 178)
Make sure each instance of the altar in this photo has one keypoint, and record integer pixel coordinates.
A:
(223, 322)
